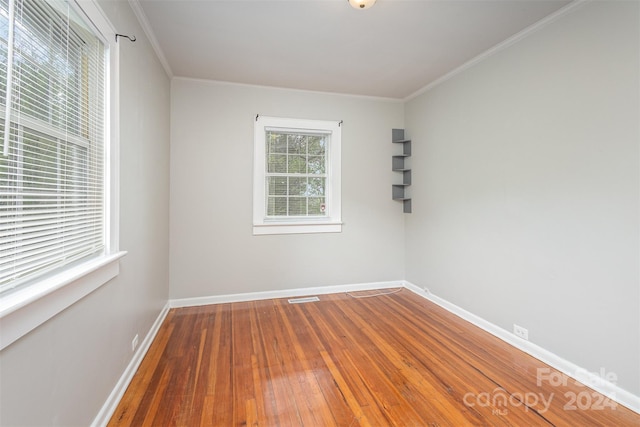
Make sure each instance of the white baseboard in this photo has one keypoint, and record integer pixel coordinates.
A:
(593, 380)
(285, 293)
(112, 401)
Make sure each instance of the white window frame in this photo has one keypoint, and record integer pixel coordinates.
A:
(25, 309)
(331, 222)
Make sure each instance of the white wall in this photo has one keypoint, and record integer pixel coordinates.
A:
(526, 189)
(213, 251)
(63, 372)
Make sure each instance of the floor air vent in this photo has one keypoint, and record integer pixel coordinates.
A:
(303, 300)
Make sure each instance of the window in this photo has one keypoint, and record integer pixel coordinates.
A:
(57, 219)
(296, 176)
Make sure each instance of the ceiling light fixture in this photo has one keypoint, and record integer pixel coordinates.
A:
(361, 4)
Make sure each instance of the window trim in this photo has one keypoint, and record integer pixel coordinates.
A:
(27, 308)
(332, 223)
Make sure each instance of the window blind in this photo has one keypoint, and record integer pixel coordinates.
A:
(52, 133)
(296, 173)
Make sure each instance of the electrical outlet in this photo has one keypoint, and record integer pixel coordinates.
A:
(134, 343)
(521, 332)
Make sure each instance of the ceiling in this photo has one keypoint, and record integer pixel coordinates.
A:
(391, 50)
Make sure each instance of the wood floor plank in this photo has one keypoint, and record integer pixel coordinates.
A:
(222, 385)
(379, 358)
(376, 369)
(242, 370)
(356, 408)
(286, 406)
(335, 405)
(301, 345)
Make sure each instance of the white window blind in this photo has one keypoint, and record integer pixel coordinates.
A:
(296, 173)
(52, 134)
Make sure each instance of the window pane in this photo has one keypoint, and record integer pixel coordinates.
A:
(48, 60)
(75, 179)
(316, 186)
(297, 186)
(276, 143)
(277, 163)
(297, 144)
(297, 164)
(40, 163)
(316, 165)
(316, 206)
(317, 145)
(277, 206)
(297, 206)
(277, 186)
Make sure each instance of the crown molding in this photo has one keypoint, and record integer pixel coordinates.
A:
(146, 27)
(500, 47)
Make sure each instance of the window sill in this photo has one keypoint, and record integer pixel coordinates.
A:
(296, 228)
(26, 309)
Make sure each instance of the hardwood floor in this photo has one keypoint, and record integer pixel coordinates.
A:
(348, 360)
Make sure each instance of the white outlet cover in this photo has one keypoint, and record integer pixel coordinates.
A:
(521, 332)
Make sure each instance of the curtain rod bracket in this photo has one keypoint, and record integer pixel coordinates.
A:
(131, 38)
